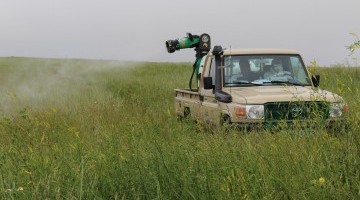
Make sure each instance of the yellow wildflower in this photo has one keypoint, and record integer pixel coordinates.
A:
(321, 180)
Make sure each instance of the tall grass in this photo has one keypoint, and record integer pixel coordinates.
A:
(107, 130)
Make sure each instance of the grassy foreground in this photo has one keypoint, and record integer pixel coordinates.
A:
(82, 129)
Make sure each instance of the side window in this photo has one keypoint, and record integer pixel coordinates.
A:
(212, 70)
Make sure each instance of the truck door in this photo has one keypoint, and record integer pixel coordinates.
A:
(209, 105)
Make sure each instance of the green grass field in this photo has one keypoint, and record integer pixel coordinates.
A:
(92, 129)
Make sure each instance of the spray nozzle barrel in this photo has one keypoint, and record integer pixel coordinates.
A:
(190, 41)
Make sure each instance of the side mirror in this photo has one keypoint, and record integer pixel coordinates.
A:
(316, 80)
(223, 96)
(208, 83)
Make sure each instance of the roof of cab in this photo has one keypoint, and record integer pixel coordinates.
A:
(259, 51)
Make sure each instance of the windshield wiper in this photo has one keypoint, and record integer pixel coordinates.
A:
(246, 83)
(287, 82)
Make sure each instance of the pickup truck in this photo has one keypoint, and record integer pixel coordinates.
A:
(241, 87)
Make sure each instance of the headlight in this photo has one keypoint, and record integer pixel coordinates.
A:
(337, 109)
(255, 111)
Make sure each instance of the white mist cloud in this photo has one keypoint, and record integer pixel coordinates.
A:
(37, 83)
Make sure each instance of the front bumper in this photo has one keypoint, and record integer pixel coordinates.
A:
(334, 125)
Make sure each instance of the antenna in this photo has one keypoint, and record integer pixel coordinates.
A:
(230, 52)
(231, 69)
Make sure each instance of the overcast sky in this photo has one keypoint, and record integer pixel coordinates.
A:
(137, 29)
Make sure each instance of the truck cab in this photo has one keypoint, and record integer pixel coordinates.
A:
(258, 88)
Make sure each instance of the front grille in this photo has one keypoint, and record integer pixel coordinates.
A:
(289, 111)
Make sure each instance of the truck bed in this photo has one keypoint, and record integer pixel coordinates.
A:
(186, 99)
(187, 94)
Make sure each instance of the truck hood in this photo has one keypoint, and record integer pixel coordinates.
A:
(263, 94)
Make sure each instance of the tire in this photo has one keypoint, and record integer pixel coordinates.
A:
(185, 116)
(186, 112)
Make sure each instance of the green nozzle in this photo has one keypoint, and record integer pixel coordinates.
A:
(187, 42)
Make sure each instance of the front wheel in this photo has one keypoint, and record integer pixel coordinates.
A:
(225, 120)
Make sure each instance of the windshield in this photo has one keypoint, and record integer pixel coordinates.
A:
(272, 69)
